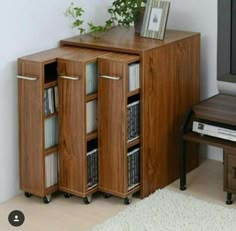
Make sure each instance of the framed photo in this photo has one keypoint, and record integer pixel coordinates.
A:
(155, 19)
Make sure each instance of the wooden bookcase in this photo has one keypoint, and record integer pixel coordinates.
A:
(169, 85)
(78, 122)
(113, 97)
(38, 140)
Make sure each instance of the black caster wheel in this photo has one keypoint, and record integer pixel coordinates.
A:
(67, 195)
(127, 201)
(182, 188)
(106, 195)
(87, 200)
(229, 202)
(46, 199)
(27, 194)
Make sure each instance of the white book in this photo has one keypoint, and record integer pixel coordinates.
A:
(51, 131)
(91, 116)
(91, 78)
(50, 100)
(131, 77)
(137, 80)
(56, 97)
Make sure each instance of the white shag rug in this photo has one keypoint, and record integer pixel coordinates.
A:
(166, 210)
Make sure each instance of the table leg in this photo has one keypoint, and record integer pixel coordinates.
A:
(229, 198)
(183, 166)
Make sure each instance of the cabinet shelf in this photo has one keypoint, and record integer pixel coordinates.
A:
(133, 142)
(51, 150)
(91, 136)
(50, 115)
(91, 97)
(132, 93)
(50, 83)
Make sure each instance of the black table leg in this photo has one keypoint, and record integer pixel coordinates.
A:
(229, 198)
(183, 166)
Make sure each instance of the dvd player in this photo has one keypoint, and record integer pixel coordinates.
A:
(213, 130)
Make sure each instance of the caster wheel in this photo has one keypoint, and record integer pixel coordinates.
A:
(127, 201)
(67, 195)
(46, 199)
(87, 200)
(228, 202)
(27, 194)
(106, 195)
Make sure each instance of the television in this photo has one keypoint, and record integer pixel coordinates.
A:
(226, 47)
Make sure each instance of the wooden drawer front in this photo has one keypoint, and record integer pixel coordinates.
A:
(112, 123)
(71, 124)
(31, 108)
(230, 170)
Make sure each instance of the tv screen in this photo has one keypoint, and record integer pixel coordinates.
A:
(233, 37)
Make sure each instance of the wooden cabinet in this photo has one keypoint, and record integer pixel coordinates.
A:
(169, 84)
(78, 123)
(38, 136)
(169, 80)
(113, 98)
(230, 170)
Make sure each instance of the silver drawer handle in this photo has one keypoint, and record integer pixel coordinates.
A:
(26, 77)
(69, 77)
(110, 77)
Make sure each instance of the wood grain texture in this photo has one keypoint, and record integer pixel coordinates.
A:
(72, 140)
(72, 120)
(229, 170)
(112, 119)
(219, 108)
(123, 39)
(170, 86)
(31, 123)
(112, 129)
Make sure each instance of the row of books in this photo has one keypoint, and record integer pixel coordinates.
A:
(51, 100)
(133, 168)
(92, 168)
(133, 120)
(51, 168)
(134, 76)
(51, 131)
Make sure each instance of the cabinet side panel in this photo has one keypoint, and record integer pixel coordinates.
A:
(30, 109)
(112, 118)
(170, 87)
(72, 152)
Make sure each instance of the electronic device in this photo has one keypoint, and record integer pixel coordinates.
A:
(226, 47)
(214, 130)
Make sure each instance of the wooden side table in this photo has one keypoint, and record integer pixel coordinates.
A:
(220, 109)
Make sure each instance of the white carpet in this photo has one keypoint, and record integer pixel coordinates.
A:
(167, 210)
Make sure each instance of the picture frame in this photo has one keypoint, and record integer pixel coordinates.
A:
(155, 19)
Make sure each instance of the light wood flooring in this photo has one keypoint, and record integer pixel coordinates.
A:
(205, 182)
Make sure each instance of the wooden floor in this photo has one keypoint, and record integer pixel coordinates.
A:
(205, 182)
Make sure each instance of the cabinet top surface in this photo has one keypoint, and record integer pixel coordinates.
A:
(125, 40)
(219, 108)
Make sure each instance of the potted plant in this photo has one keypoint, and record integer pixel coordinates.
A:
(128, 12)
(75, 12)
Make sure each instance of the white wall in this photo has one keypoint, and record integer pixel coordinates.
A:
(200, 16)
(28, 26)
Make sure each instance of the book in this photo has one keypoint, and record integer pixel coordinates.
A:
(55, 90)
(91, 116)
(91, 78)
